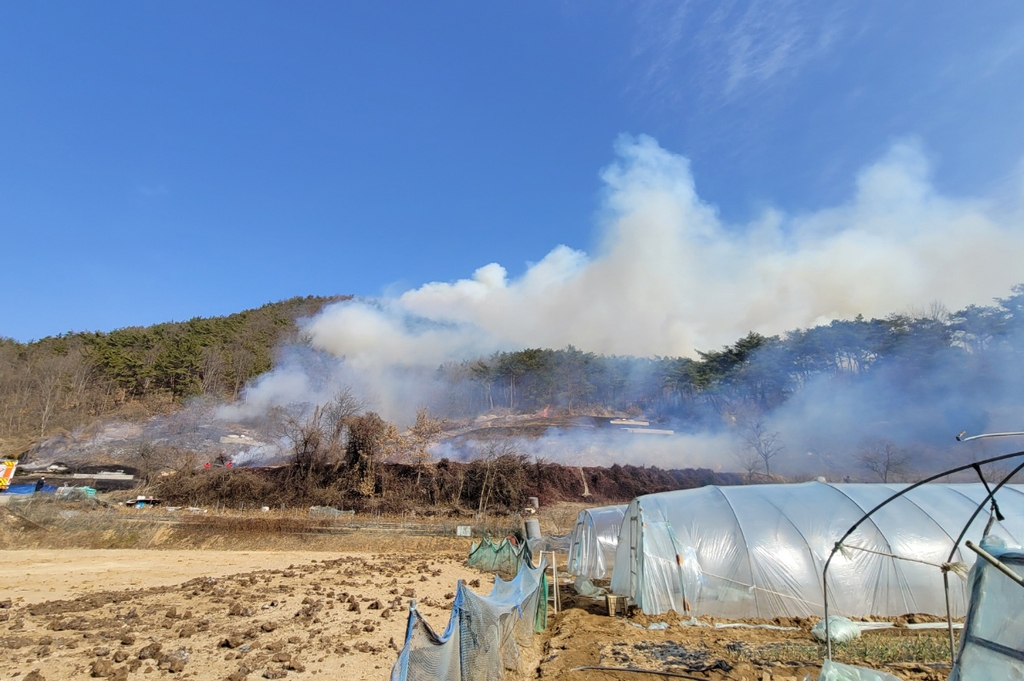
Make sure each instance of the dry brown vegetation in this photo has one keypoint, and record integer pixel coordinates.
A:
(500, 484)
(50, 524)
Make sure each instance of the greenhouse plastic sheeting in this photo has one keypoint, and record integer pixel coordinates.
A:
(594, 538)
(483, 635)
(759, 550)
(834, 671)
(992, 643)
(505, 556)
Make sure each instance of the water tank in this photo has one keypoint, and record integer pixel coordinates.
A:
(533, 529)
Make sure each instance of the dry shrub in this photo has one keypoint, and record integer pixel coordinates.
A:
(499, 484)
(241, 488)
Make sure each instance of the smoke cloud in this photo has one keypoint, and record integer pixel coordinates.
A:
(606, 447)
(667, 277)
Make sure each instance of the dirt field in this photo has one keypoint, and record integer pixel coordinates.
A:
(52, 575)
(335, 606)
(214, 614)
(581, 637)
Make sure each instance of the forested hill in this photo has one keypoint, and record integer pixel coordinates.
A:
(915, 371)
(903, 376)
(63, 381)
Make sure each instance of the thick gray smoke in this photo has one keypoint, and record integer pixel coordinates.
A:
(667, 278)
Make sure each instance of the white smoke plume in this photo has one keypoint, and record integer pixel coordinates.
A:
(606, 447)
(670, 277)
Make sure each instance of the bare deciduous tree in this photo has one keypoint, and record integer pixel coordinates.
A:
(503, 475)
(885, 460)
(322, 440)
(750, 462)
(154, 460)
(760, 445)
(422, 435)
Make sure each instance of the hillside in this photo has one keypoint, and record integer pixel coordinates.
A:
(874, 397)
(62, 382)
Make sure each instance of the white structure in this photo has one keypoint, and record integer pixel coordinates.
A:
(758, 550)
(991, 646)
(594, 538)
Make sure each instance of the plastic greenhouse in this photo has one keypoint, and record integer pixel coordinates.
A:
(992, 645)
(594, 538)
(758, 550)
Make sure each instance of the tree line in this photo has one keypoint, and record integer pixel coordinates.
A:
(916, 350)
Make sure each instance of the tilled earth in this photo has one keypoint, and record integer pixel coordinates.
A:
(581, 636)
(343, 618)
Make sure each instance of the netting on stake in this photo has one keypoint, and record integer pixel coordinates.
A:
(505, 556)
(483, 635)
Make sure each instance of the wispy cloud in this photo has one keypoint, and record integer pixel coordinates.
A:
(730, 49)
(1004, 52)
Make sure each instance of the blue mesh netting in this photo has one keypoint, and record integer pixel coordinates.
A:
(483, 635)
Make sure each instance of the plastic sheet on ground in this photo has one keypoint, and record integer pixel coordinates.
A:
(483, 635)
(693, 622)
(834, 671)
(992, 643)
(744, 625)
(28, 489)
(330, 511)
(505, 556)
(758, 550)
(653, 626)
(593, 540)
(840, 630)
(584, 587)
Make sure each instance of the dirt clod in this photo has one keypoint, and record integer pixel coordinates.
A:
(149, 652)
(101, 669)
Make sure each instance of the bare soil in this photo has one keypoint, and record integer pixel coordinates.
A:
(125, 614)
(302, 605)
(583, 636)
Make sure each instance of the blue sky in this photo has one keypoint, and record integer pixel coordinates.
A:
(161, 161)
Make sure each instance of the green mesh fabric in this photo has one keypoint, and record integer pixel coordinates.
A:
(504, 557)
